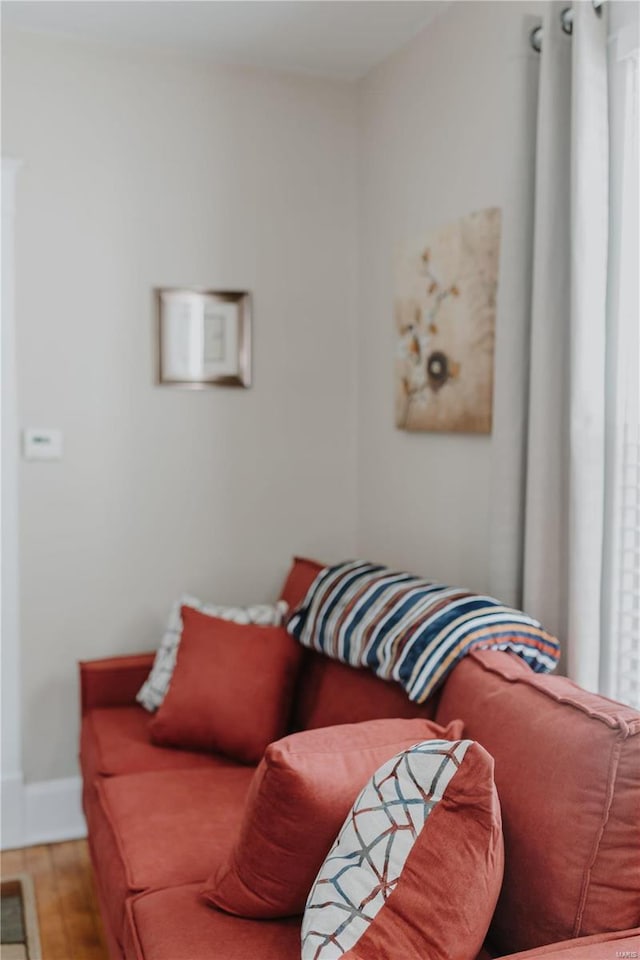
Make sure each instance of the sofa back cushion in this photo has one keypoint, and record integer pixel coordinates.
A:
(300, 576)
(567, 769)
(331, 692)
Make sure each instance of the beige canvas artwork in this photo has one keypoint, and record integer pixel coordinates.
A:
(445, 311)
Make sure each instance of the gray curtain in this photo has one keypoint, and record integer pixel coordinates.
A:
(559, 531)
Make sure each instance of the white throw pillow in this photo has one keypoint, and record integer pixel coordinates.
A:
(154, 689)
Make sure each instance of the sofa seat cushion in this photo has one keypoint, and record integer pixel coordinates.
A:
(175, 924)
(162, 828)
(567, 769)
(116, 740)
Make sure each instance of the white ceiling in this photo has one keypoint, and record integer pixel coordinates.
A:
(332, 38)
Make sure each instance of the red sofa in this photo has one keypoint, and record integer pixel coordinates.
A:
(567, 767)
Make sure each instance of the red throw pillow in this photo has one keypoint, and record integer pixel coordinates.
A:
(298, 799)
(231, 690)
(417, 866)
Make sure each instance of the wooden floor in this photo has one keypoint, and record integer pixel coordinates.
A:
(68, 915)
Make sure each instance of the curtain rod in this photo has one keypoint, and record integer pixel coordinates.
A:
(566, 21)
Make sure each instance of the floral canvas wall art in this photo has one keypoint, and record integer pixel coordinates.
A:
(445, 310)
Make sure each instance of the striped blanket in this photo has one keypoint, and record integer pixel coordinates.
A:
(411, 630)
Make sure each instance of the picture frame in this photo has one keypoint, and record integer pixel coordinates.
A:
(446, 291)
(204, 337)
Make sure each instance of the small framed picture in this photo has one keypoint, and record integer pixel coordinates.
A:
(204, 338)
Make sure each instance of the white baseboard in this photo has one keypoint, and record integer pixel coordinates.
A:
(12, 830)
(51, 812)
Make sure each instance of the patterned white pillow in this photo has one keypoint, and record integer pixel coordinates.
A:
(154, 689)
(417, 867)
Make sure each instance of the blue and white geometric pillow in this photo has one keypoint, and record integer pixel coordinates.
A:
(365, 864)
(154, 689)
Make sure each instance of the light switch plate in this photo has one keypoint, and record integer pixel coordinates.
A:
(41, 444)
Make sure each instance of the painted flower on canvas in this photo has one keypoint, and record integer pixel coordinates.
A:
(445, 310)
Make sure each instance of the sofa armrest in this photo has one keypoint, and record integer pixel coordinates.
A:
(114, 681)
(624, 945)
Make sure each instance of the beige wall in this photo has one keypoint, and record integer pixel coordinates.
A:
(145, 171)
(446, 128)
(138, 172)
